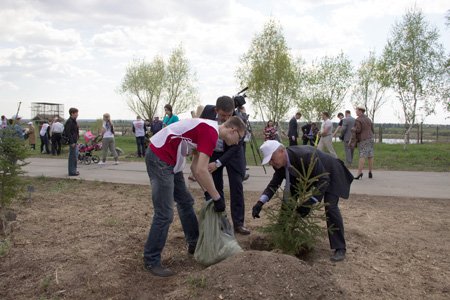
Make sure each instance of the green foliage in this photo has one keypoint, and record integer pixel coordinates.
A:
(13, 152)
(149, 86)
(371, 84)
(180, 91)
(268, 69)
(45, 284)
(197, 282)
(415, 61)
(287, 230)
(143, 85)
(324, 86)
(5, 245)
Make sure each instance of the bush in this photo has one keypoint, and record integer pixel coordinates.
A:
(13, 153)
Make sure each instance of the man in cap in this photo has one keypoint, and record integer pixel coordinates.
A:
(333, 182)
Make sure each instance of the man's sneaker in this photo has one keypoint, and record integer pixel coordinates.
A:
(338, 255)
(159, 271)
(101, 163)
(116, 162)
(191, 249)
(246, 176)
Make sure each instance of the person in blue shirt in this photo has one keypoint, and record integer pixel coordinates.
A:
(169, 118)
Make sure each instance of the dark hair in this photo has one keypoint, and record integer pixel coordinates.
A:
(73, 110)
(340, 114)
(326, 114)
(269, 122)
(168, 107)
(298, 114)
(225, 104)
(348, 112)
(235, 122)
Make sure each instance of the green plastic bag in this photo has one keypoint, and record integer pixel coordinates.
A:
(216, 240)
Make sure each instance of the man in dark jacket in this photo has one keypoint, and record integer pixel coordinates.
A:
(306, 131)
(230, 157)
(156, 125)
(334, 182)
(293, 129)
(71, 130)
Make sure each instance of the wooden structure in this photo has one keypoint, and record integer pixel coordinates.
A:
(45, 112)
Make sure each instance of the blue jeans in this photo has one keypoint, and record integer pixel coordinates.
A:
(73, 159)
(140, 142)
(167, 188)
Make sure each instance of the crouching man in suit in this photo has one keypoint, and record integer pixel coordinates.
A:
(334, 182)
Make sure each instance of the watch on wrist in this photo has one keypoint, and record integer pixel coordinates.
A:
(218, 163)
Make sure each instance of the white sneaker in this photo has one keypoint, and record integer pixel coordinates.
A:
(101, 163)
(116, 162)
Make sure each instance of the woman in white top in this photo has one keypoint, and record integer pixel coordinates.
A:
(108, 142)
(326, 135)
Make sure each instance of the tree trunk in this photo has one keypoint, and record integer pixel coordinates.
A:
(406, 137)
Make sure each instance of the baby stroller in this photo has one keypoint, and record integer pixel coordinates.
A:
(93, 143)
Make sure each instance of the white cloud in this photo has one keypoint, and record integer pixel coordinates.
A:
(72, 50)
(23, 26)
(6, 85)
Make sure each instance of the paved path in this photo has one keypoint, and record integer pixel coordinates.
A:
(385, 183)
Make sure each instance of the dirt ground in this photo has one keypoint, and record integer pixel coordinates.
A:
(84, 240)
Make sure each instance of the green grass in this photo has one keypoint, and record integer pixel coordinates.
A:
(417, 157)
(197, 282)
(5, 245)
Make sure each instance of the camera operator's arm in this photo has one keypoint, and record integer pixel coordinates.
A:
(231, 152)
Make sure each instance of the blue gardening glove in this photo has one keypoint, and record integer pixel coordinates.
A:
(304, 209)
(257, 209)
(219, 205)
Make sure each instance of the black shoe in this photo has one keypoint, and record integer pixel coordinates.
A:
(191, 249)
(246, 176)
(159, 271)
(338, 255)
(370, 175)
(75, 174)
(358, 177)
(242, 230)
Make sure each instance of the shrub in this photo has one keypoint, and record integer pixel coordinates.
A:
(13, 153)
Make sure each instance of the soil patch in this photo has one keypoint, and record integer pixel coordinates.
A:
(84, 240)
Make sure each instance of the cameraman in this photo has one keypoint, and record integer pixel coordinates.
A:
(240, 112)
(231, 158)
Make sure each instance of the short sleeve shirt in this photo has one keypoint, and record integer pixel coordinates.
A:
(204, 135)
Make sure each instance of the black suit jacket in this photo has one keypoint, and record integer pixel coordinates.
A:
(334, 178)
(231, 153)
(305, 129)
(293, 128)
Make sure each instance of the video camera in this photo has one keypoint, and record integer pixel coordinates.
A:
(239, 100)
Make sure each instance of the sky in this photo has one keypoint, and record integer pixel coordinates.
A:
(76, 52)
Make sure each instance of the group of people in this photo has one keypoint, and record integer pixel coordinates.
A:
(354, 133)
(215, 141)
(144, 129)
(49, 134)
